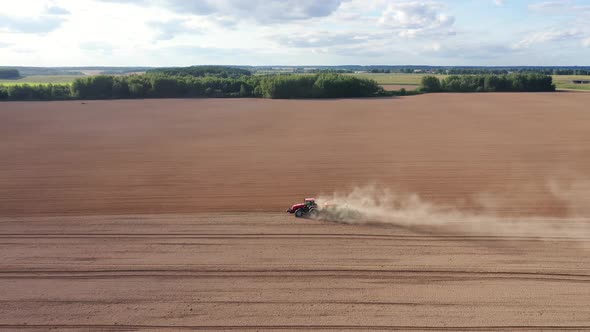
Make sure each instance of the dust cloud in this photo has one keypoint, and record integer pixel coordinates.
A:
(374, 205)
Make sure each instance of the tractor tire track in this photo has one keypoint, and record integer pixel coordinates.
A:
(298, 327)
(234, 277)
(291, 273)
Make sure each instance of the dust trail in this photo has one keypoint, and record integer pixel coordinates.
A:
(375, 205)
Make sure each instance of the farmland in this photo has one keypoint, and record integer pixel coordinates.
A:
(395, 78)
(47, 79)
(169, 214)
(564, 82)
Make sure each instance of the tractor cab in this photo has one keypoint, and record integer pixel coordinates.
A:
(303, 209)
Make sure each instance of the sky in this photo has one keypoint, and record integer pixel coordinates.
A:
(294, 32)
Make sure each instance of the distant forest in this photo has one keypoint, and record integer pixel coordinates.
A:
(8, 73)
(231, 82)
(516, 82)
(486, 70)
(451, 70)
(195, 82)
(51, 71)
(446, 70)
(203, 71)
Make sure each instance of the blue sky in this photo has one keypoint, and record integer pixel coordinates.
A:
(293, 32)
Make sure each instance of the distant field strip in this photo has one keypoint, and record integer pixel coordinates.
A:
(49, 79)
(564, 82)
(395, 78)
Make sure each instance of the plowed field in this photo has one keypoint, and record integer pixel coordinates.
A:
(168, 214)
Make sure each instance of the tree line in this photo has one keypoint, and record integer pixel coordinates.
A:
(326, 85)
(471, 70)
(26, 92)
(203, 71)
(500, 71)
(531, 82)
(288, 86)
(7, 73)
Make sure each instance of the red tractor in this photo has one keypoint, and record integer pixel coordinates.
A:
(327, 211)
(308, 209)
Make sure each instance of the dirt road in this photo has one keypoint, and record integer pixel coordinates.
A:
(167, 215)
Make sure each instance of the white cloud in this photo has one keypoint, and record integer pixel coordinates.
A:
(547, 36)
(31, 17)
(262, 11)
(170, 29)
(561, 7)
(549, 6)
(471, 51)
(417, 18)
(321, 39)
(499, 2)
(103, 48)
(55, 10)
(435, 47)
(305, 32)
(41, 24)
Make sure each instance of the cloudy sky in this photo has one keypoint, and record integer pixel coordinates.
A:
(294, 32)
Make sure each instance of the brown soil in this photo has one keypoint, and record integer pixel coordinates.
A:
(270, 271)
(129, 215)
(173, 156)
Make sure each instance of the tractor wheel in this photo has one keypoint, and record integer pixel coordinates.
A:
(299, 213)
(314, 214)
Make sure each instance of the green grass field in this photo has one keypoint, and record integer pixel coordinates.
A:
(52, 79)
(562, 82)
(395, 78)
